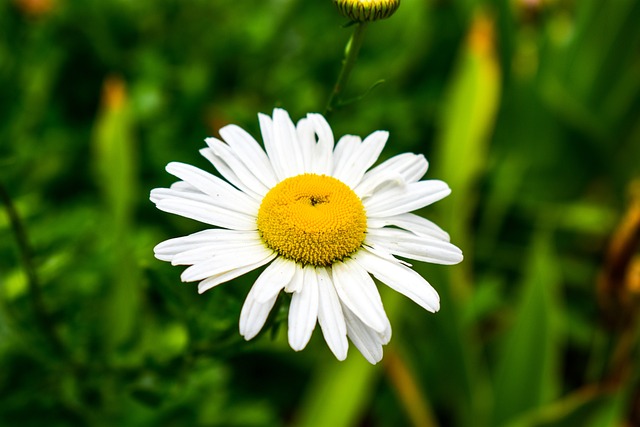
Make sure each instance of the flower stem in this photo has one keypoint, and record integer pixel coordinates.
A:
(37, 304)
(351, 54)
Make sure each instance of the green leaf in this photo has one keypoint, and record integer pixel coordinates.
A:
(116, 174)
(527, 374)
(470, 110)
(114, 154)
(465, 129)
(339, 394)
(591, 406)
(469, 114)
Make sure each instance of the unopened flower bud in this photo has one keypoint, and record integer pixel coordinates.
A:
(367, 10)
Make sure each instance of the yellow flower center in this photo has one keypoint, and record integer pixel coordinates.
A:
(312, 219)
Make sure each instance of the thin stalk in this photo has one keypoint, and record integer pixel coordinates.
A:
(414, 401)
(35, 295)
(350, 56)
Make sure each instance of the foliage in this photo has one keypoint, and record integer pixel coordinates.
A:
(528, 109)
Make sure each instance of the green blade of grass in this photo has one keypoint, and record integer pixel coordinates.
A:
(527, 374)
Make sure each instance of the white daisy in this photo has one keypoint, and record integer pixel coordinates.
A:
(322, 220)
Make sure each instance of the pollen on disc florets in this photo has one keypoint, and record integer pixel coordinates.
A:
(312, 219)
(367, 10)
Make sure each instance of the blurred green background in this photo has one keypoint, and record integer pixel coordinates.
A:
(529, 109)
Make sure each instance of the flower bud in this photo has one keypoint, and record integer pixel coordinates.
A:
(367, 10)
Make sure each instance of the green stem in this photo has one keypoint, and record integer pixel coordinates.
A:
(37, 304)
(351, 54)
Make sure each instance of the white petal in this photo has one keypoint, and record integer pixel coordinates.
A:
(184, 186)
(266, 129)
(296, 283)
(277, 158)
(226, 204)
(408, 245)
(330, 315)
(207, 252)
(355, 161)
(400, 278)
(398, 171)
(386, 255)
(385, 336)
(220, 192)
(229, 174)
(303, 312)
(222, 262)
(411, 166)
(250, 153)
(414, 196)
(218, 279)
(207, 213)
(158, 194)
(284, 150)
(307, 140)
(248, 176)
(357, 291)
(343, 152)
(322, 159)
(254, 314)
(273, 279)
(168, 249)
(364, 338)
(416, 224)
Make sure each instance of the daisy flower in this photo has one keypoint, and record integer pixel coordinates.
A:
(322, 220)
